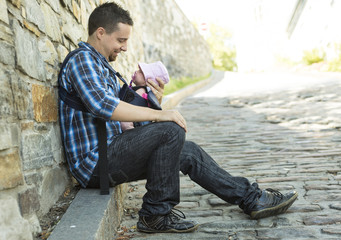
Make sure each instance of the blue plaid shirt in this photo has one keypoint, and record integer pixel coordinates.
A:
(86, 76)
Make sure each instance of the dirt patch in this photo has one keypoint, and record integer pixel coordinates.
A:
(49, 221)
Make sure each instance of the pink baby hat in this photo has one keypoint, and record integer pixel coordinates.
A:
(153, 70)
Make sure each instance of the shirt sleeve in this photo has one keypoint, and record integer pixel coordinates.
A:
(91, 82)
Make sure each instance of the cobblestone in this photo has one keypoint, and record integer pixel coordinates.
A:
(284, 136)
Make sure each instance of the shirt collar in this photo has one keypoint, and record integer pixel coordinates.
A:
(91, 48)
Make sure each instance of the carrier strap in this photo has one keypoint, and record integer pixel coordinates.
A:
(76, 103)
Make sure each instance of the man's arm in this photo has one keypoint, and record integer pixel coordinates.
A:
(130, 113)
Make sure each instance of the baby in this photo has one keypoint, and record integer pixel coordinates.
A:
(139, 78)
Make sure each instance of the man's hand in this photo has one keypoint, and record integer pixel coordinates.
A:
(126, 112)
(172, 115)
(157, 89)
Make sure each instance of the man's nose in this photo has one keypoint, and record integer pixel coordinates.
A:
(124, 47)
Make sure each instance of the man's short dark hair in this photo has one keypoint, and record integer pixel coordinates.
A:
(108, 15)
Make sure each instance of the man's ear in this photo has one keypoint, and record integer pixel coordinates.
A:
(100, 33)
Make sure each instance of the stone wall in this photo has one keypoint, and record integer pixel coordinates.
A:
(35, 37)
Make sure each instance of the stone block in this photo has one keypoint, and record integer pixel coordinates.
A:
(22, 97)
(3, 11)
(34, 224)
(72, 30)
(85, 8)
(36, 151)
(292, 178)
(32, 28)
(34, 14)
(55, 5)
(7, 105)
(66, 3)
(54, 184)
(28, 58)
(52, 74)
(338, 177)
(304, 208)
(45, 104)
(287, 233)
(9, 136)
(76, 10)
(24, 126)
(28, 201)
(321, 186)
(188, 205)
(35, 178)
(48, 51)
(102, 211)
(6, 34)
(56, 145)
(12, 225)
(52, 24)
(322, 220)
(62, 53)
(10, 170)
(332, 231)
(16, 3)
(227, 225)
(214, 202)
(23, 12)
(7, 53)
(336, 206)
(204, 213)
(324, 197)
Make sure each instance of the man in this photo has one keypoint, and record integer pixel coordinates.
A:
(162, 149)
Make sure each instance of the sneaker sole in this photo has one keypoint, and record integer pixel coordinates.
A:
(169, 230)
(281, 208)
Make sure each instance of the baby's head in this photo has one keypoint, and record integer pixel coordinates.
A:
(150, 71)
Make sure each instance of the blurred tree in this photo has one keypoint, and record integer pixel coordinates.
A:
(222, 49)
(313, 56)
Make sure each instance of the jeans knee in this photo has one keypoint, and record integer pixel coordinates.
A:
(192, 150)
(188, 156)
(175, 131)
(191, 145)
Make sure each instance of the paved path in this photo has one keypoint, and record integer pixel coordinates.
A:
(281, 130)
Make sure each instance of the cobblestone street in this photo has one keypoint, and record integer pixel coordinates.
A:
(284, 132)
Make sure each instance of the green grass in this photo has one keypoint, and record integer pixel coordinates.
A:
(177, 84)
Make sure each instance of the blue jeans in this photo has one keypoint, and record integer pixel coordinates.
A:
(157, 152)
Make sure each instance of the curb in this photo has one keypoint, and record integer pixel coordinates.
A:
(173, 99)
(92, 216)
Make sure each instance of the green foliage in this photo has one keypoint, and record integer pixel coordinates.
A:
(286, 61)
(313, 56)
(335, 65)
(223, 52)
(177, 84)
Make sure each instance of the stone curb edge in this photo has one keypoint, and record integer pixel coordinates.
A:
(173, 99)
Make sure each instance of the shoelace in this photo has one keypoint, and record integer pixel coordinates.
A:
(175, 215)
(275, 192)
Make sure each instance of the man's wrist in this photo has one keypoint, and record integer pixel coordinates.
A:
(157, 116)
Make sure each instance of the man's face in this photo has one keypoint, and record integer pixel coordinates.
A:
(116, 41)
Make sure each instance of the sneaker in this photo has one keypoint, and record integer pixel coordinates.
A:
(171, 223)
(272, 203)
